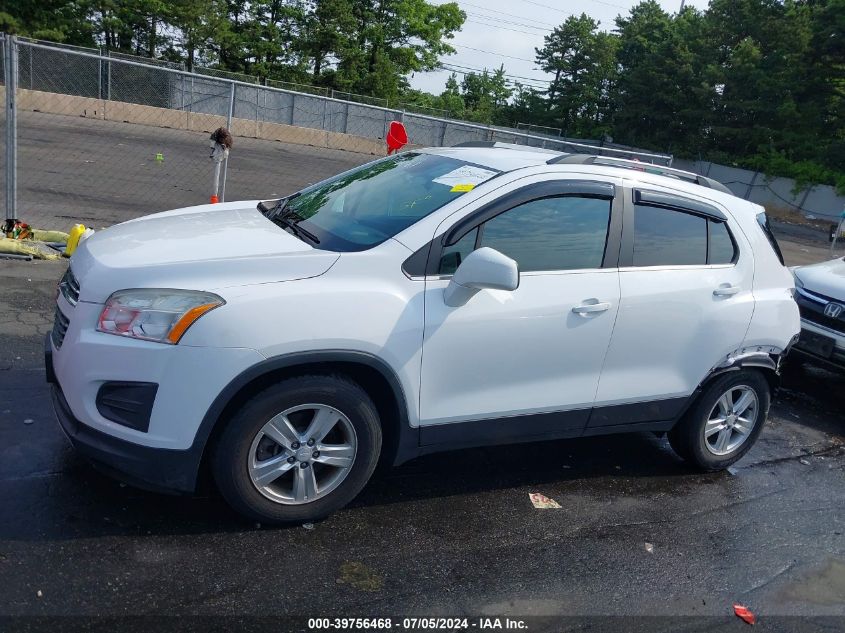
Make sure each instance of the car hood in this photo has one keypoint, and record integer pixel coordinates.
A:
(826, 278)
(207, 247)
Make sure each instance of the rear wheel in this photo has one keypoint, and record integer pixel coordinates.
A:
(724, 422)
(299, 450)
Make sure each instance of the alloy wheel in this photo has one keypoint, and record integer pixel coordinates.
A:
(302, 454)
(732, 420)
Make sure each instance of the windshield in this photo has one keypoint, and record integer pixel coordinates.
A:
(364, 207)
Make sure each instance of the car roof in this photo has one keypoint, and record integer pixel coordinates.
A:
(501, 157)
(508, 157)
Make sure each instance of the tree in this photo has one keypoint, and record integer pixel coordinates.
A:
(451, 99)
(485, 95)
(55, 20)
(659, 96)
(394, 38)
(329, 32)
(583, 62)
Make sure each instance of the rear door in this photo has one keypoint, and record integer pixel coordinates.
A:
(686, 273)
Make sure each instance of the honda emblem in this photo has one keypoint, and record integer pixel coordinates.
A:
(833, 310)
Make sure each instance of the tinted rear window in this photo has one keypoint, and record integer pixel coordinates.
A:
(668, 238)
(722, 249)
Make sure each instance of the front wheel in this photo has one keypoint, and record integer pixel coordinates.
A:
(299, 450)
(725, 421)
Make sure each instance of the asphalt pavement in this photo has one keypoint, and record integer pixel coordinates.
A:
(449, 534)
(73, 169)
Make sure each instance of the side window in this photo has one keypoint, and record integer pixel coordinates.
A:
(563, 233)
(453, 255)
(663, 237)
(722, 249)
(763, 221)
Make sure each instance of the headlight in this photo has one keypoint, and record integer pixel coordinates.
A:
(154, 314)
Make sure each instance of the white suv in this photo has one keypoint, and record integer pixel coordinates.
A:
(429, 301)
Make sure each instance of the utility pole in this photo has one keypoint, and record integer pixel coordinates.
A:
(10, 60)
(683, 2)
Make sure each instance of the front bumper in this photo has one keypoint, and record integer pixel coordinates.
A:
(806, 349)
(159, 469)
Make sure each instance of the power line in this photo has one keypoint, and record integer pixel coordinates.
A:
(547, 6)
(503, 28)
(510, 15)
(538, 80)
(481, 50)
(503, 21)
(466, 70)
(510, 82)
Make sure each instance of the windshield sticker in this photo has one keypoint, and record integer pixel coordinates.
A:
(462, 188)
(466, 175)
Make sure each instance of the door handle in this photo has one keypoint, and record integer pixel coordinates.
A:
(591, 308)
(726, 290)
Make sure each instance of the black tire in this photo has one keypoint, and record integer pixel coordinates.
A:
(232, 453)
(687, 437)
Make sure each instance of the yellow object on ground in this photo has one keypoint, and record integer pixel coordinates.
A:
(73, 239)
(27, 247)
(50, 236)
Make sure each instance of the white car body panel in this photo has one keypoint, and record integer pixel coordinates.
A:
(200, 248)
(513, 353)
(189, 378)
(671, 331)
(382, 317)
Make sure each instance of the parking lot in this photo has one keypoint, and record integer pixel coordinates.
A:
(638, 532)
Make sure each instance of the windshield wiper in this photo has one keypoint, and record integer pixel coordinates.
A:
(262, 206)
(277, 215)
(286, 222)
(277, 208)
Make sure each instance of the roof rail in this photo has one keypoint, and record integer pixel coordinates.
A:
(564, 147)
(475, 144)
(526, 148)
(688, 176)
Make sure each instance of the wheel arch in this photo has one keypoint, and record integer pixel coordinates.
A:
(766, 363)
(374, 375)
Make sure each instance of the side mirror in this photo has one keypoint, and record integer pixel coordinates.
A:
(482, 268)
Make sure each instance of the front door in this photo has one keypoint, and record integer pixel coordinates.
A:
(525, 363)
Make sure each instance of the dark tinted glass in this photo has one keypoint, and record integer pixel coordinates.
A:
(453, 255)
(551, 234)
(763, 221)
(668, 238)
(721, 245)
(363, 207)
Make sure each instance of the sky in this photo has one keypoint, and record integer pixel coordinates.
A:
(507, 32)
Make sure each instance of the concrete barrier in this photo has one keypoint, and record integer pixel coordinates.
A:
(87, 107)
(61, 104)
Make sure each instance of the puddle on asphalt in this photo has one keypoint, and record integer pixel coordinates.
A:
(825, 587)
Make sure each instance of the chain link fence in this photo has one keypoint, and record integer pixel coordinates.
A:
(103, 138)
